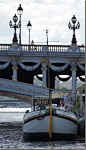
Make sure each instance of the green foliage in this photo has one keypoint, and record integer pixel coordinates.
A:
(74, 108)
(83, 91)
(56, 87)
(65, 88)
(78, 104)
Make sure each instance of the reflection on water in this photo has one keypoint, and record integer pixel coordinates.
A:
(11, 117)
(11, 136)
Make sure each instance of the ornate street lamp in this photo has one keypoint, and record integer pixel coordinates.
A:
(74, 27)
(20, 12)
(15, 19)
(29, 26)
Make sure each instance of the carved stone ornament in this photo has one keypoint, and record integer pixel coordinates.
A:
(81, 66)
(44, 61)
(4, 66)
(58, 69)
(44, 64)
(29, 68)
(14, 61)
(73, 63)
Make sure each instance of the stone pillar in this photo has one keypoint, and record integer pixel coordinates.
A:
(73, 64)
(73, 79)
(14, 62)
(44, 73)
(14, 73)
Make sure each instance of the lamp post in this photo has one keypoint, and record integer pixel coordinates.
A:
(74, 27)
(20, 11)
(15, 19)
(32, 42)
(29, 26)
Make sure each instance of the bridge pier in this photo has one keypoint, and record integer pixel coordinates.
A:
(73, 64)
(73, 80)
(14, 77)
(14, 63)
(44, 68)
(44, 77)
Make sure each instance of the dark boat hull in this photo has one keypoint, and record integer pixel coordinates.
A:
(45, 137)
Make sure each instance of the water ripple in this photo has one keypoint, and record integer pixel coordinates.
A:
(11, 137)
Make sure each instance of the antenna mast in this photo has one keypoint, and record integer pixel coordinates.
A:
(48, 65)
(50, 100)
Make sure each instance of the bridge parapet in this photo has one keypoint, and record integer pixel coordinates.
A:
(53, 48)
(4, 47)
(43, 48)
(82, 48)
(37, 48)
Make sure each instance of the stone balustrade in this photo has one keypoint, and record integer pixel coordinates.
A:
(43, 48)
(4, 47)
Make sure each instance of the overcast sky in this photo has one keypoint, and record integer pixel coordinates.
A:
(53, 15)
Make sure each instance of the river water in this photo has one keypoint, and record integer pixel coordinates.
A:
(11, 136)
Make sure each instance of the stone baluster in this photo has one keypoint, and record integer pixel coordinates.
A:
(73, 64)
(14, 63)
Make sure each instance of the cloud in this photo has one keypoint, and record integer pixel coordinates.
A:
(53, 15)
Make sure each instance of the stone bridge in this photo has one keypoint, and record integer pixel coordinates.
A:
(24, 91)
(25, 98)
(19, 63)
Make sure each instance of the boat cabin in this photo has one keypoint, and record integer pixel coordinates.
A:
(41, 103)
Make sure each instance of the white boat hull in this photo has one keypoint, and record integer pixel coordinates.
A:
(36, 127)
